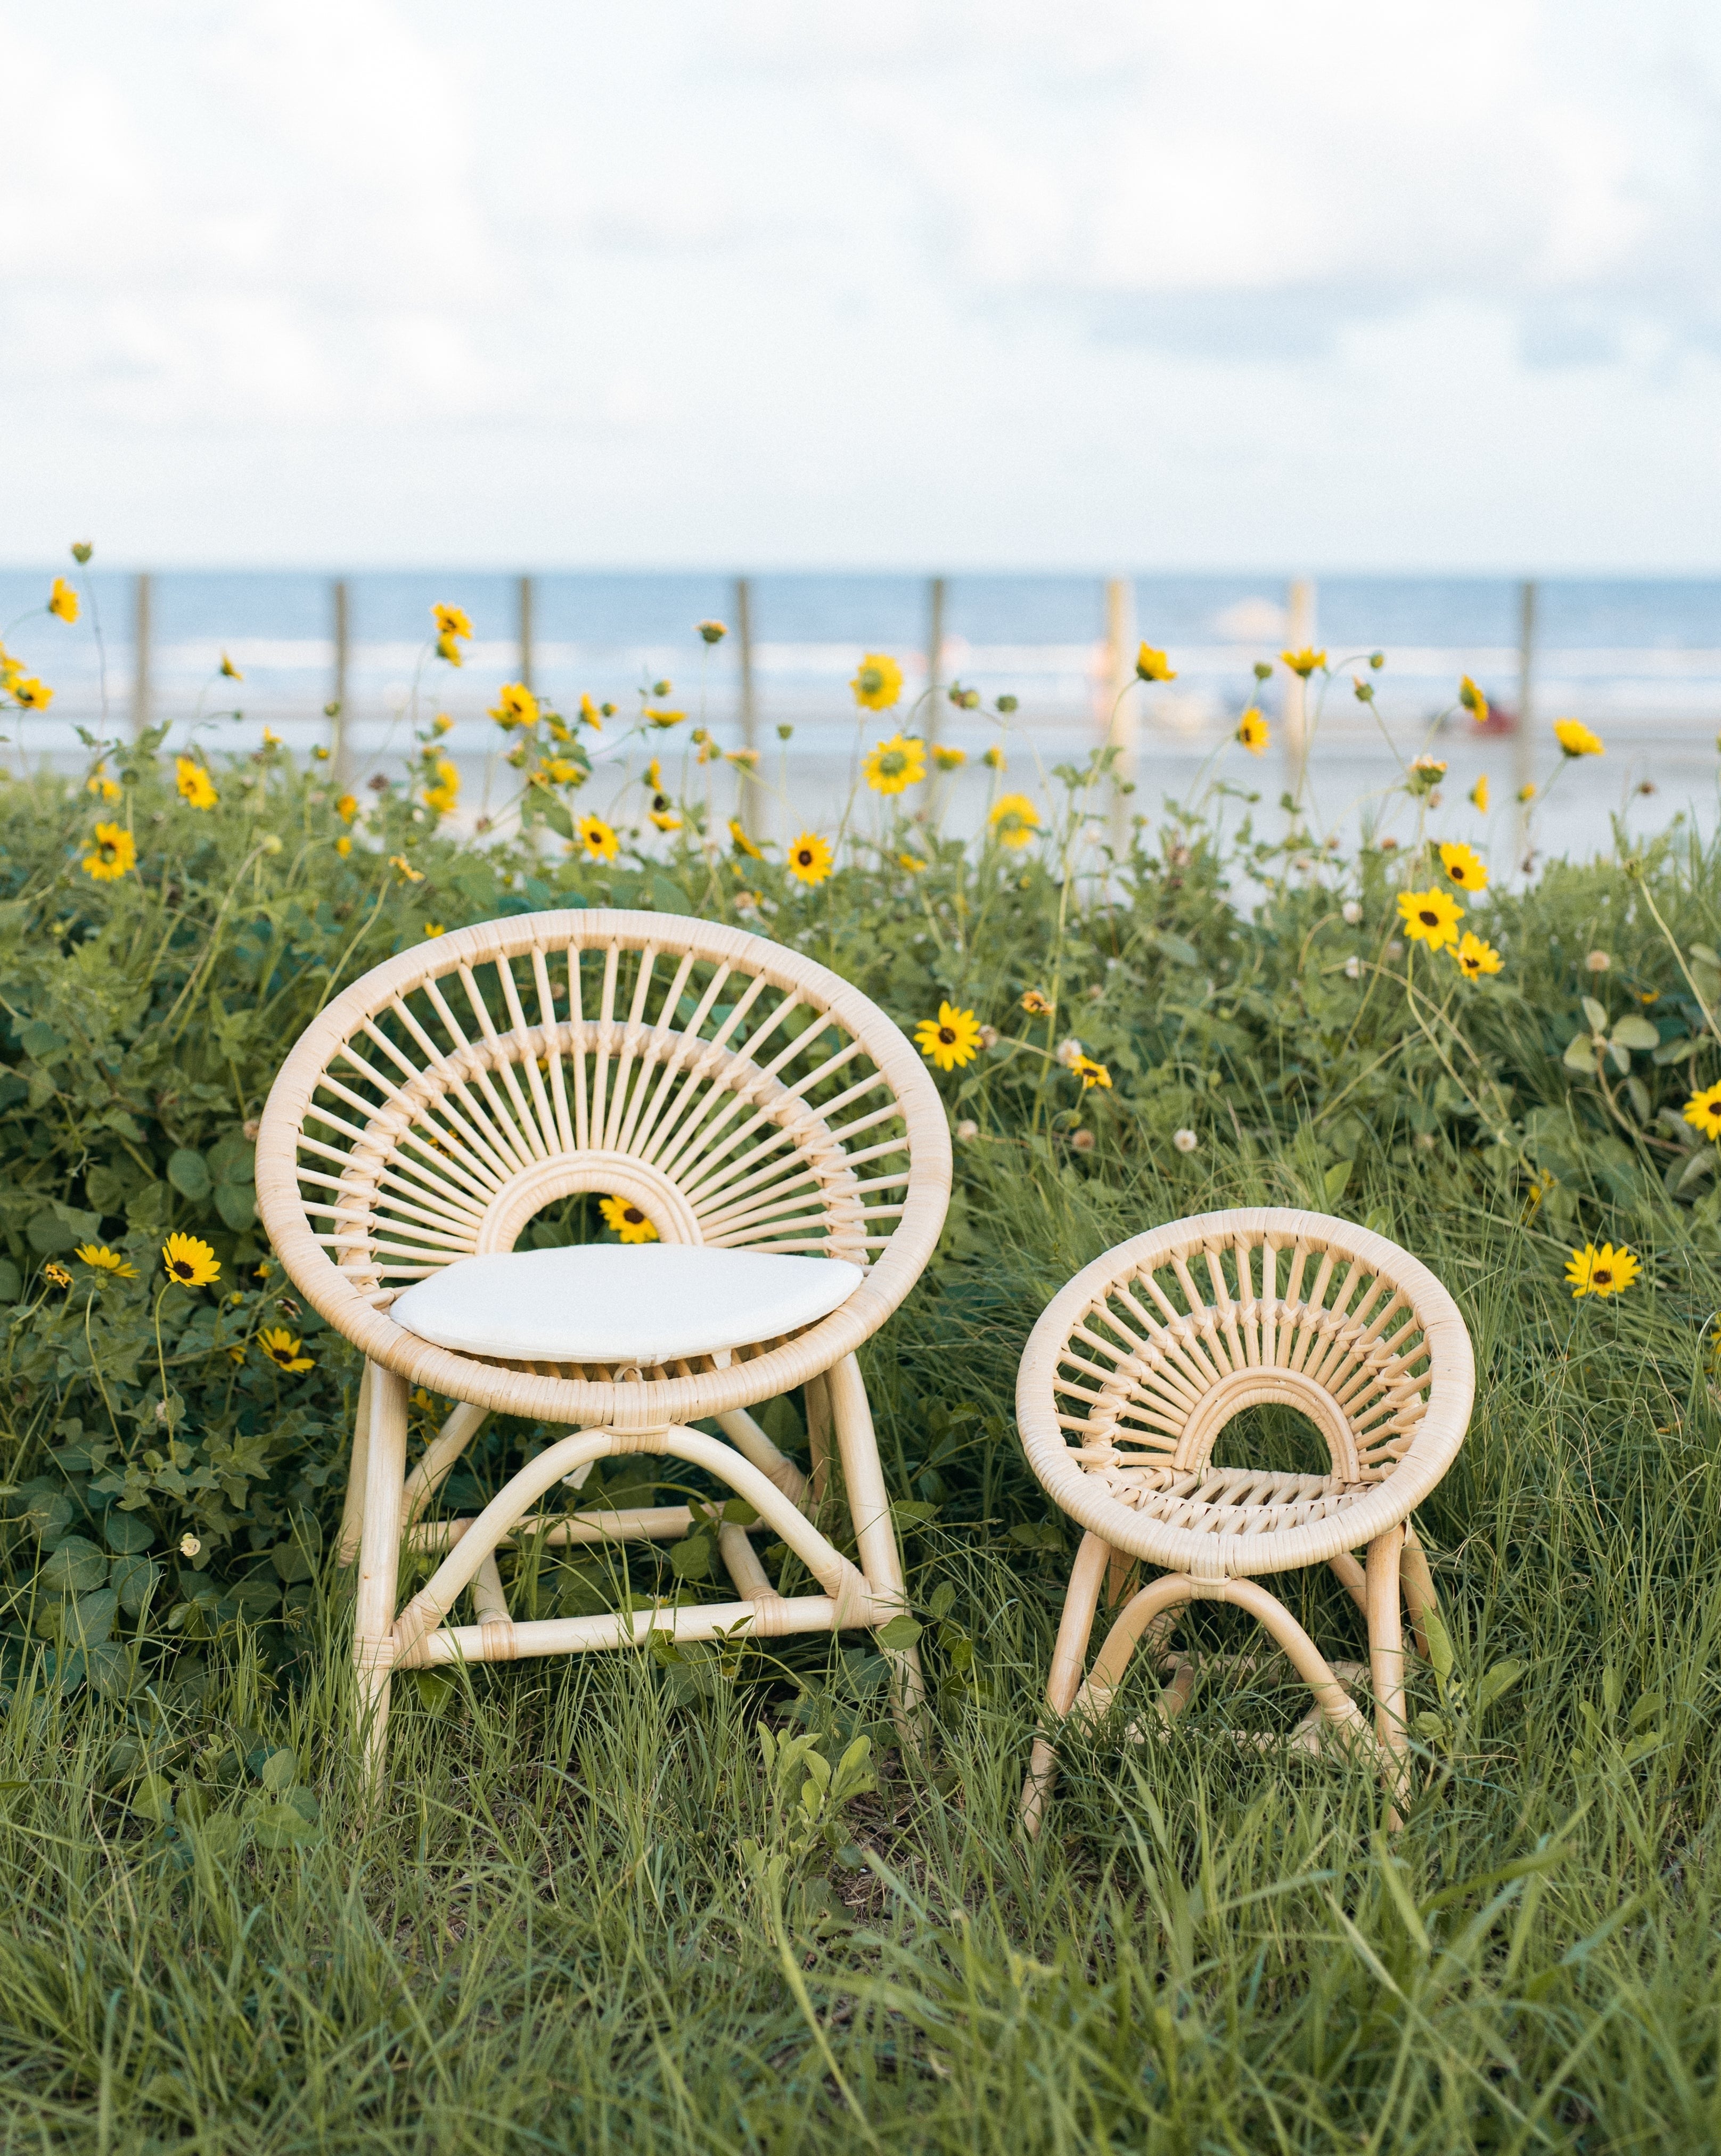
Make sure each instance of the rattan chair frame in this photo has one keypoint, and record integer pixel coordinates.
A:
(738, 1094)
(1133, 1372)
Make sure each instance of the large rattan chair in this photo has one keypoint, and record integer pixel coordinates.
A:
(778, 1131)
(1126, 1385)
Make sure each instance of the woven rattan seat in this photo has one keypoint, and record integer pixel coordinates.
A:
(753, 1107)
(1126, 1387)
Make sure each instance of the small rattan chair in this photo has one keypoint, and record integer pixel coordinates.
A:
(1129, 1380)
(778, 1131)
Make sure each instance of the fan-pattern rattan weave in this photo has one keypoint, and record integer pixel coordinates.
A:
(1138, 1366)
(737, 1095)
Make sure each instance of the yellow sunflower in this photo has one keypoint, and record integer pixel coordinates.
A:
(950, 1039)
(1150, 666)
(879, 682)
(1037, 1003)
(809, 858)
(283, 1350)
(194, 783)
(57, 1274)
(1575, 738)
(662, 815)
(515, 707)
(346, 808)
(98, 782)
(1702, 1111)
(29, 694)
(190, 1261)
(628, 1221)
(911, 862)
(1479, 794)
(230, 671)
(452, 621)
(407, 872)
(1305, 662)
(1475, 957)
(712, 632)
(598, 839)
(1091, 1074)
(105, 1260)
(1472, 698)
(446, 792)
(114, 853)
(662, 718)
(950, 759)
(448, 648)
(1467, 869)
(1606, 1271)
(741, 843)
(63, 600)
(1431, 917)
(895, 764)
(1015, 818)
(1252, 730)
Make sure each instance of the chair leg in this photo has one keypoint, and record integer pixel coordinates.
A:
(1068, 1657)
(876, 1536)
(379, 1564)
(1386, 1664)
(1419, 1596)
(352, 1512)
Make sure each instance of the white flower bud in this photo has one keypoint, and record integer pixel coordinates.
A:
(1352, 911)
(1185, 1140)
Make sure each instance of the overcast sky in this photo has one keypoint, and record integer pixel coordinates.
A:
(916, 284)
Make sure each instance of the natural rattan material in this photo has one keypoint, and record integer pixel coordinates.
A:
(1139, 1365)
(743, 1097)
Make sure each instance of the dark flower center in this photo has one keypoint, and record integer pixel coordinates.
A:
(180, 1269)
(1429, 920)
(946, 1035)
(1601, 1276)
(633, 1216)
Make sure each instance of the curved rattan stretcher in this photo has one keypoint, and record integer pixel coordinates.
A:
(1125, 1388)
(739, 1096)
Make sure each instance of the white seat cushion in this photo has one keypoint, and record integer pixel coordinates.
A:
(657, 1302)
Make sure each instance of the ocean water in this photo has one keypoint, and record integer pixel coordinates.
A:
(1640, 660)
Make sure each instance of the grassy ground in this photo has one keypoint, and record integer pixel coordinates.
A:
(552, 1932)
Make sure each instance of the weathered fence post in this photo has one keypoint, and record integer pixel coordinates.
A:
(1299, 636)
(1121, 699)
(340, 741)
(935, 656)
(748, 713)
(526, 635)
(140, 684)
(1523, 746)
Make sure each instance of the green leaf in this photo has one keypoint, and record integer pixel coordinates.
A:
(1335, 1179)
(1595, 1013)
(692, 1558)
(39, 1040)
(153, 1797)
(188, 1172)
(134, 1580)
(900, 1634)
(1632, 1031)
(1677, 1050)
(436, 1688)
(912, 1511)
(942, 1602)
(1499, 1679)
(91, 1618)
(280, 1770)
(232, 1161)
(1579, 1054)
(127, 1532)
(1440, 1647)
(77, 1564)
(237, 1204)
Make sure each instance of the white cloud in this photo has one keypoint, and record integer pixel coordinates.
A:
(959, 278)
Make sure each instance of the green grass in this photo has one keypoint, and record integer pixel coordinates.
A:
(547, 1933)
